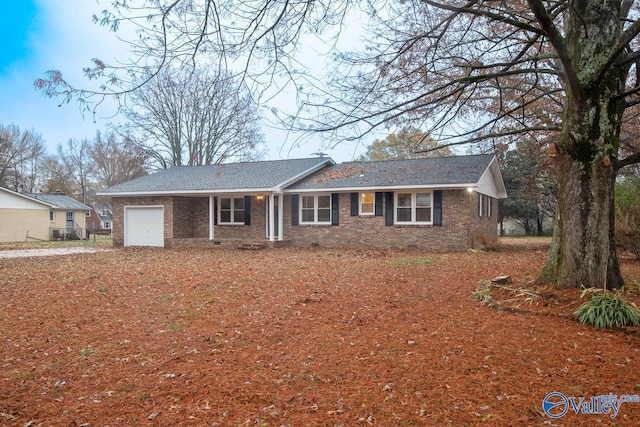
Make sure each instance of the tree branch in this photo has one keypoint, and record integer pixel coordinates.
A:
(559, 44)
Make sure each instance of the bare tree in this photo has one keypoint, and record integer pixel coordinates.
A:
(558, 72)
(56, 177)
(21, 153)
(74, 156)
(195, 117)
(116, 159)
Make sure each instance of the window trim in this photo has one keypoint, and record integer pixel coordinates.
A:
(413, 208)
(480, 205)
(315, 209)
(52, 216)
(231, 211)
(361, 201)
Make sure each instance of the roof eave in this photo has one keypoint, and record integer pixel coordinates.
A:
(187, 192)
(456, 186)
(497, 176)
(24, 196)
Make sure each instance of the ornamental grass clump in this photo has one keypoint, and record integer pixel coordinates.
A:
(607, 310)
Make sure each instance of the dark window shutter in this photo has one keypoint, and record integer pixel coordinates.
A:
(378, 201)
(215, 211)
(335, 208)
(388, 208)
(295, 207)
(437, 207)
(355, 209)
(247, 210)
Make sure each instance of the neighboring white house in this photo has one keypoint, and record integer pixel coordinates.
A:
(40, 216)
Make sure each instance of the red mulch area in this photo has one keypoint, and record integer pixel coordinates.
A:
(292, 337)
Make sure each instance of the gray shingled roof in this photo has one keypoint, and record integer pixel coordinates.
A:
(232, 176)
(60, 201)
(434, 171)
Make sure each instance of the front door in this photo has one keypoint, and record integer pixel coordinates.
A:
(70, 223)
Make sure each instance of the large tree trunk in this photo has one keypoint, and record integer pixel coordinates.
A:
(583, 252)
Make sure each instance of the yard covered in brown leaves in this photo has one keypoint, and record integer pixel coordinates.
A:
(292, 337)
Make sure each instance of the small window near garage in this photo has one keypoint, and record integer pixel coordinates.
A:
(480, 205)
(231, 210)
(414, 208)
(367, 203)
(70, 216)
(52, 216)
(107, 224)
(88, 213)
(489, 203)
(315, 209)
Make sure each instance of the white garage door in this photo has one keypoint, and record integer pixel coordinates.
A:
(144, 226)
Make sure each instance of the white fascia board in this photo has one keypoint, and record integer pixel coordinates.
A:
(32, 199)
(389, 188)
(491, 182)
(188, 193)
(502, 189)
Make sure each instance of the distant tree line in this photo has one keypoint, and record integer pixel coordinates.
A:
(78, 168)
(178, 118)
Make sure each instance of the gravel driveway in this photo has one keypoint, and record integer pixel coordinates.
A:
(49, 252)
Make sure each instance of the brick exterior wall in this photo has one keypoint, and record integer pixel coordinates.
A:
(118, 204)
(254, 232)
(188, 218)
(460, 228)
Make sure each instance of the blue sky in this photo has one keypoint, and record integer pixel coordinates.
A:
(39, 35)
(16, 25)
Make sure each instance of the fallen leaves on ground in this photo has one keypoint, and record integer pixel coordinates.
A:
(293, 337)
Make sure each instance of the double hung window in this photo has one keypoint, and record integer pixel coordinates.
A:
(414, 208)
(315, 209)
(367, 203)
(231, 210)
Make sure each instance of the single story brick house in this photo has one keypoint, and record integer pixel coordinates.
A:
(447, 203)
(40, 216)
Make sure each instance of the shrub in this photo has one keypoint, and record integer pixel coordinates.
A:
(485, 242)
(607, 310)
